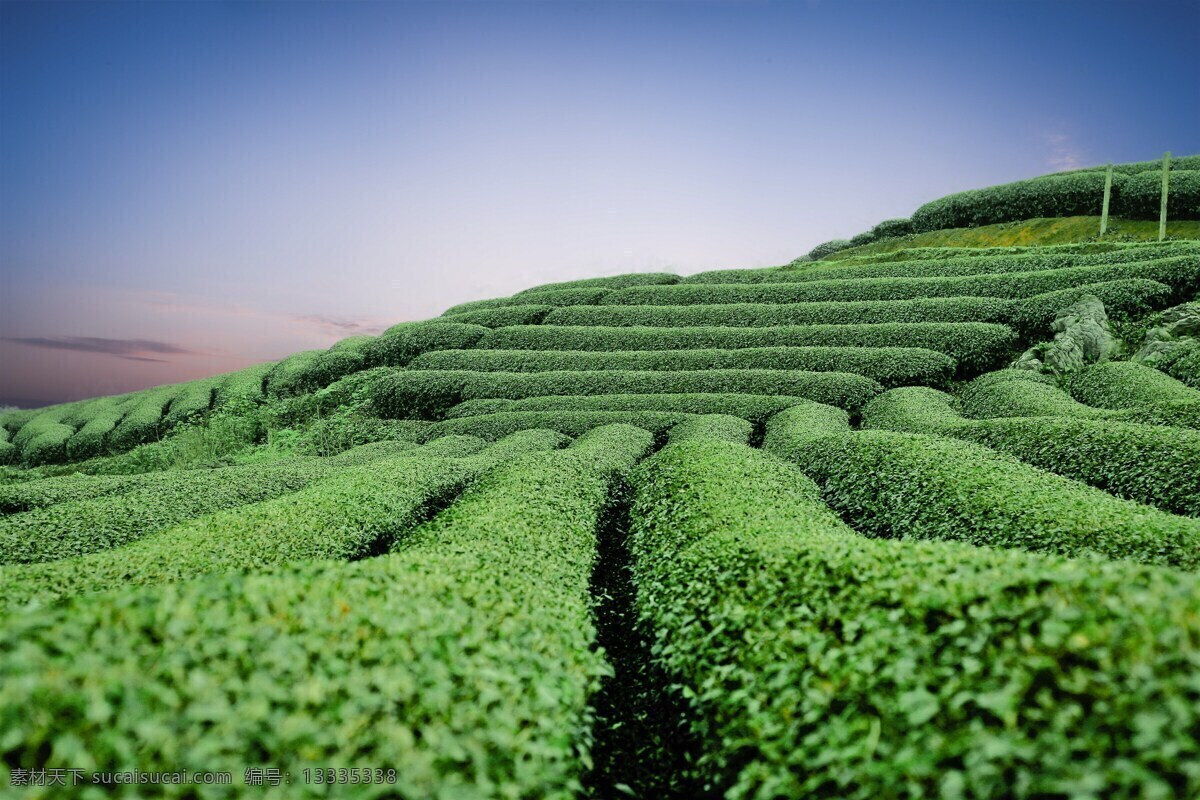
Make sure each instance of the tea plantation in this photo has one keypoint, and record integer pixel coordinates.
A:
(918, 522)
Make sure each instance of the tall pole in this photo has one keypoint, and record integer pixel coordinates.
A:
(1107, 195)
(1162, 210)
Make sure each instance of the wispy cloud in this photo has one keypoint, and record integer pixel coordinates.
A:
(341, 327)
(1063, 153)
(128, 349)
(336, 327)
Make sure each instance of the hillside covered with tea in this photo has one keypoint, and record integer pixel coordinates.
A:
(915, 515)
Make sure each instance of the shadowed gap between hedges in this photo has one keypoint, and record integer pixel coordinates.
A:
(642, 747)
(383, 541)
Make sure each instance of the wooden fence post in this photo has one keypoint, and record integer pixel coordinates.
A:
(1107, 195)
(1162, 210)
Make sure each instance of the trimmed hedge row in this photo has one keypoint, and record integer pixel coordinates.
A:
(1181, 273)
(8, 451)
(755, 408)
(246, 383)
(979, 263)
(43, 441)
(39, 424)
(1132, 296)
(429, 394)
(464, 661)
(42, 492)
(355, 512)
(143, 419)
(158, 501)
(973, 345)
(891, 366)
(1020, 393)
(544, 297)
(1125, 384)
(1063, 195)
(401, 343)
(571, 423)
(915, 486)
(1150, 464)
(311, 370)
(1141, 195)
(192, 399)
(708, 427)
(13, 421)
(500, 317)
(611, 282)
(89, 440)
(819, 663)
(1183, 363)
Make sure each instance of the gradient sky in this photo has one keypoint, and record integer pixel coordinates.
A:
(189, 188)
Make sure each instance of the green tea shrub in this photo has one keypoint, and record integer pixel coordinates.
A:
(827, 248)
(571, 423)
(193, 399)
(915, 486)
(891, 366)
(819, 663)
(1141, 195)
(352, 513)
(1125, 384)
(157, 501)
(345, 395)
(429, 394)
(1183, 363)
(474, 637)
(576, 296)
(1134, 296)
(331, 435)
(246, 383)
(1181, 273)
(708, 427)
(499, 317)
(311, 370)
(974, 345)
(979, 262)
(611, 282)
(143, 419)
(48, 445)
(401, 343)
(41, 492)
(90, 440)
(893, 228)
(1155, 465)
(1130, 297)
(1066, 195)
(755, 408)
(1019, 393)
(40, 423)
(754, 315)
(13, 419)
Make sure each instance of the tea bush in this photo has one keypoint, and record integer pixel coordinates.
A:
(819, 663)
(891, 366)
(915, 486)
(974, 345)
(429, 394)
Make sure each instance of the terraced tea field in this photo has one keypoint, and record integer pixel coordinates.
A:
(805, 531)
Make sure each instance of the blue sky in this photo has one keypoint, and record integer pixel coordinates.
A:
(189, 188)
